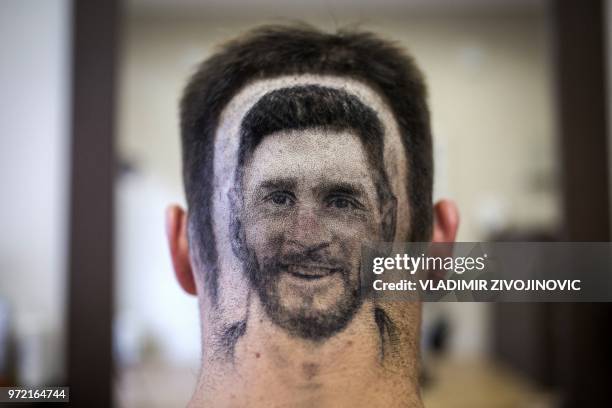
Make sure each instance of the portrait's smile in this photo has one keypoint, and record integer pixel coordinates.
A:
(309, 272)
(311, 282)
(310, 286)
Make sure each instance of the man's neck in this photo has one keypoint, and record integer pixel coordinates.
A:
(270, 367)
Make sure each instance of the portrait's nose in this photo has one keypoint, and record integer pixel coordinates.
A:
(308, 230)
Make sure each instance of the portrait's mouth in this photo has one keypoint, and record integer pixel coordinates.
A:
(310, 271)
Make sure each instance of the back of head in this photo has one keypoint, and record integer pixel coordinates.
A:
(279, 50)
(298, 147)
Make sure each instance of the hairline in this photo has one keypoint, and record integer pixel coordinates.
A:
(233, 113)
(376, 172)
(374, 160)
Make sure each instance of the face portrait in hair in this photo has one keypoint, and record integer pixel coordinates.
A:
(310, 190)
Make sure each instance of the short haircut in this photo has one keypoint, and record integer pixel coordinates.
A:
(315, 107)
(277, 50)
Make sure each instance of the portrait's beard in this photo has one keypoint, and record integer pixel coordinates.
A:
(314, 306)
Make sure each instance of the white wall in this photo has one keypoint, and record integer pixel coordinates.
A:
(490, 97)
(34, 79)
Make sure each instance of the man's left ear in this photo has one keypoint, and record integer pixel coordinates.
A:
(446, 221)
(176, 232)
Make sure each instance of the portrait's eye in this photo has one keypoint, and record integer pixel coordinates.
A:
(281, 198)
(343, 203)
(340, 203)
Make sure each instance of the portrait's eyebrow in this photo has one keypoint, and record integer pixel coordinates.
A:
(353, 189)
(281, 183)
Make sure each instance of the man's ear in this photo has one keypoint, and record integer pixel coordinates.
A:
(176, 232)
(446, 221)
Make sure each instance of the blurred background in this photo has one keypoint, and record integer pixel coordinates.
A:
(90, 158)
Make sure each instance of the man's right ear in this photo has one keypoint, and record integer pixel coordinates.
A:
(176, 232)
(446, 221)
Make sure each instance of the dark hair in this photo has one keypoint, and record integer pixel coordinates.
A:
(272, 51)
(315, 107)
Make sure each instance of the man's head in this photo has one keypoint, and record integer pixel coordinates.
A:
(275, 51)
(298, 146)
